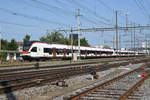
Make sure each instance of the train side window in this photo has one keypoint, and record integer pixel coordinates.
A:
(75, 51)
(34, 49)
(48, 50)
(83, 52)
(88, 52)
(68, 51)
(59, 51)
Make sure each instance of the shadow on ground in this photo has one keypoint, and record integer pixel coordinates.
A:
(8, 91)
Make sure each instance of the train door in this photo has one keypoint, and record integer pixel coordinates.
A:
(64, 52)
(33, 52)
(54, 52)
(100, 53)
(86, 53)
(40, 51)
(95, 53)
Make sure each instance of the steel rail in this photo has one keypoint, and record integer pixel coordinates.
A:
(19, 75)
(132, 89)
(103, 84)
(32, 64)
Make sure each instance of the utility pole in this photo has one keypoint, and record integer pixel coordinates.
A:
(120, 42)
(134, 38)
(0, 39)
(71, 44)
(117, 31)
(114, 42)
(131, 37)
(126, 19)
(79, 32)
(146, 44)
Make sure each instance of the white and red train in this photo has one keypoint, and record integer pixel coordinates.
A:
(44, 51)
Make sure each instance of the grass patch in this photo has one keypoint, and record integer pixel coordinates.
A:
(44, 91)
(105, 62)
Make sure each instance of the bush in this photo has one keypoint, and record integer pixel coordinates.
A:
(2, 56)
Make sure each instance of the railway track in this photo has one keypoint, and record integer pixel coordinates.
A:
(19, 80)
(51, 71)
(38, 65)
(119, 88)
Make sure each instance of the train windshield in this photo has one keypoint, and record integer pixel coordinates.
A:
(27, 46)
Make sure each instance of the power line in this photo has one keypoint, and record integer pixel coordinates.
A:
(87, 9)
(47, 8)
(58, 9)
(30, 17)
(70, 12)
(147, 3)
(23, 25)
(140, 8)
(32, 5)
(95, 22)
(84, 17)
(108, 7)
(105, 5)
(145, 10)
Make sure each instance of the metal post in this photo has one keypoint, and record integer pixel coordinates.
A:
(117, 32)
(114, 42)
(71, 44)
(134, 38)
(138, 45)
(120, 42)
(0, 39)
(79, 32)
(146, 45)
(131, 37)
(127, 20)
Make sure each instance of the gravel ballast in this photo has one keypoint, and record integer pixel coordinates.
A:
(75, 84)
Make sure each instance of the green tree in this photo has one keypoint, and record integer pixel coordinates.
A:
(106, 47)
(12, 45)
(2, 56)
(26, 39)
(83, 42)
(67, 41)
(53, 37)
(57, 37)
(4, 44)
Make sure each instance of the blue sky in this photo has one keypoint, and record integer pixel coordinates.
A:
(35, 17)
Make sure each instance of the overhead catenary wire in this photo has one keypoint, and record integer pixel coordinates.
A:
(83, 16)
(143, 7)
(105, 5)
(41, 6)
(96, 22)
(140, 8)
(24, 25)
(30, 17)
(92, 20)
(54, 8)
(89, 10)
(110, 9)
(147, 3)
